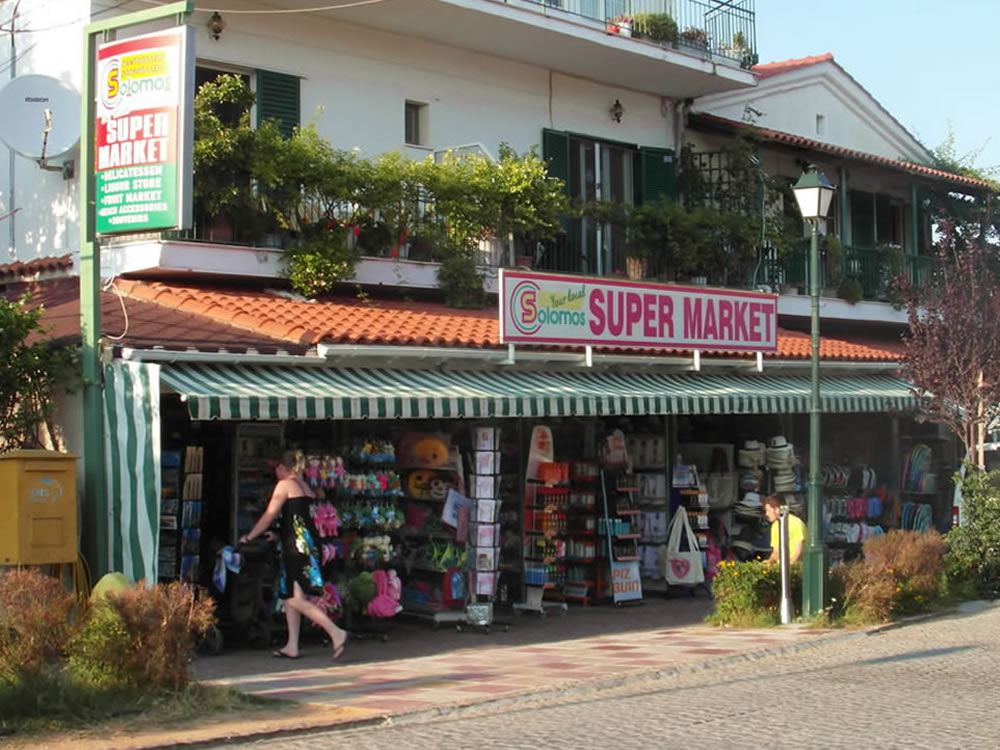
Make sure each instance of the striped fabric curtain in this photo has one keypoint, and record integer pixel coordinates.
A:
(132, 437)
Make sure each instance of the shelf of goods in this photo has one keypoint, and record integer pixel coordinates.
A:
(180, 514)
(619, 532)
(545, 531)
(253, 475)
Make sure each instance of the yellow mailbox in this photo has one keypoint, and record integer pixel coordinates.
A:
(38, 501)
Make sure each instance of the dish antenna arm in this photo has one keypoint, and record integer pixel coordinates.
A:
(67, 167)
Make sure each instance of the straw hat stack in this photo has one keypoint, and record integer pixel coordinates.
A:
(781, 461)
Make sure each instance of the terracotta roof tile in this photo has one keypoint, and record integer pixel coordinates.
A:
(766, 70)
(24, 269)
(808, 143)
(149, 325)
(393, 322)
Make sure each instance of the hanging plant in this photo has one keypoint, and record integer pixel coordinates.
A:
(321, 261)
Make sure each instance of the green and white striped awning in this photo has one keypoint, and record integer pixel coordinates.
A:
(273, 392)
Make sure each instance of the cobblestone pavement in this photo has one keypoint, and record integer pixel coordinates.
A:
(927, 685)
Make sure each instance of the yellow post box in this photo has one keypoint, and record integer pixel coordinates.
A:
(38, 503)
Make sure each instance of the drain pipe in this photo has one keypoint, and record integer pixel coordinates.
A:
(11, 156)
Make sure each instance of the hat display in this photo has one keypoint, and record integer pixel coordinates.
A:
(751, 455)
(778, 441)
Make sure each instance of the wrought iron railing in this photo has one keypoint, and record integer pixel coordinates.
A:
(721, 27)
(874, 269)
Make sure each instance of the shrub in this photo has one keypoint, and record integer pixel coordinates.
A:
(901, 573)
(748, 594)
(35, 611)
(141, 637)
(972, 562)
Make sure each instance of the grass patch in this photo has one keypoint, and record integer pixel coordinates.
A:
(45, 706)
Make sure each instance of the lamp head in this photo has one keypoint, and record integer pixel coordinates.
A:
(813, 193)
(617, 110)
(215, 25)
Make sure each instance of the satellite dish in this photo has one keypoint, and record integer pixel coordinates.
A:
(32, 104)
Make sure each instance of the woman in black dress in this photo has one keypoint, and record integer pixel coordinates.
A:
(299, 554)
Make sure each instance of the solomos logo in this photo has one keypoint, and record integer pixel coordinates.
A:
(524, 308)
(532, 308)
(140, 74)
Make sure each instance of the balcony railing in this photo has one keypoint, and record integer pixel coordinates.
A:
(874, 269)
(721, 27)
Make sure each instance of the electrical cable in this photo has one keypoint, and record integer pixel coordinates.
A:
(121, 299)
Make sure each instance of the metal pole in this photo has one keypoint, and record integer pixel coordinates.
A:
(814, 555)
(96, 537)
(786, 580)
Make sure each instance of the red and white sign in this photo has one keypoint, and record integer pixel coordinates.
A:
(539, 308)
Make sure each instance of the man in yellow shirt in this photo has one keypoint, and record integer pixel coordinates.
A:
(796, 531)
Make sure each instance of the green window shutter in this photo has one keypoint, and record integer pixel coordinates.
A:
(278, 99)
(555, 151)
(657, 175)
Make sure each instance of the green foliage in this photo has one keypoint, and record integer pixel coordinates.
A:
(461, 280)
(657, 27)
(972, 562)
(833, 259)
(140, 638)
(850, 290)
(334, 206)
(748, 594)
(35, 611)
(32, 370)
(901, 573)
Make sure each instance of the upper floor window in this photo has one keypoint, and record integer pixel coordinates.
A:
(415, 124)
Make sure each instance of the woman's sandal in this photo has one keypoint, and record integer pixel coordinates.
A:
(338, 651)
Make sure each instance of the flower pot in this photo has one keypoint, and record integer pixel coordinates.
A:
(635, 268)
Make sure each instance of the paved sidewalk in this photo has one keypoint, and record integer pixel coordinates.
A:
(488, 671)
(425, 672)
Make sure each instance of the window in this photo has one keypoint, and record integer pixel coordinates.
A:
(277, 96)
(415, 124)
(229, 114)
(820, 124)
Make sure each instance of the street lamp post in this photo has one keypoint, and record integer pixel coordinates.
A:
(813, 193)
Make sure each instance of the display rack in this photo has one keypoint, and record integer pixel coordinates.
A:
(257, 447)
(191, 508)
(544, 528)
(484, 531)
(582, 558)
(620, 538)
(437, 550)
(168, 559)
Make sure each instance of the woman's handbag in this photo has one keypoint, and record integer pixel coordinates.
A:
(682, 568)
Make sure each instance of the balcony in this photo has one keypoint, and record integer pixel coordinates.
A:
(724, 30)
(575, 37)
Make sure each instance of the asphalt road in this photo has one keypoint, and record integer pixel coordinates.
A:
(930, 685)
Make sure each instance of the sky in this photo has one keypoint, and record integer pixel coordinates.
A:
(927, 63)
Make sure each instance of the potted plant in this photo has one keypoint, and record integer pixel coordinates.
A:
(695, 37)
(657, 27)
(622, 25)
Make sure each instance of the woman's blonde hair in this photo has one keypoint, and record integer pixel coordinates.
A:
(294, 461)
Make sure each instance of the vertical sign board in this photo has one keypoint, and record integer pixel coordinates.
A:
(144, 132)
(626, 585)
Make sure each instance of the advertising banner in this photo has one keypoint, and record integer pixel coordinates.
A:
(563, 310)
(626, 583)
(144, 132)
